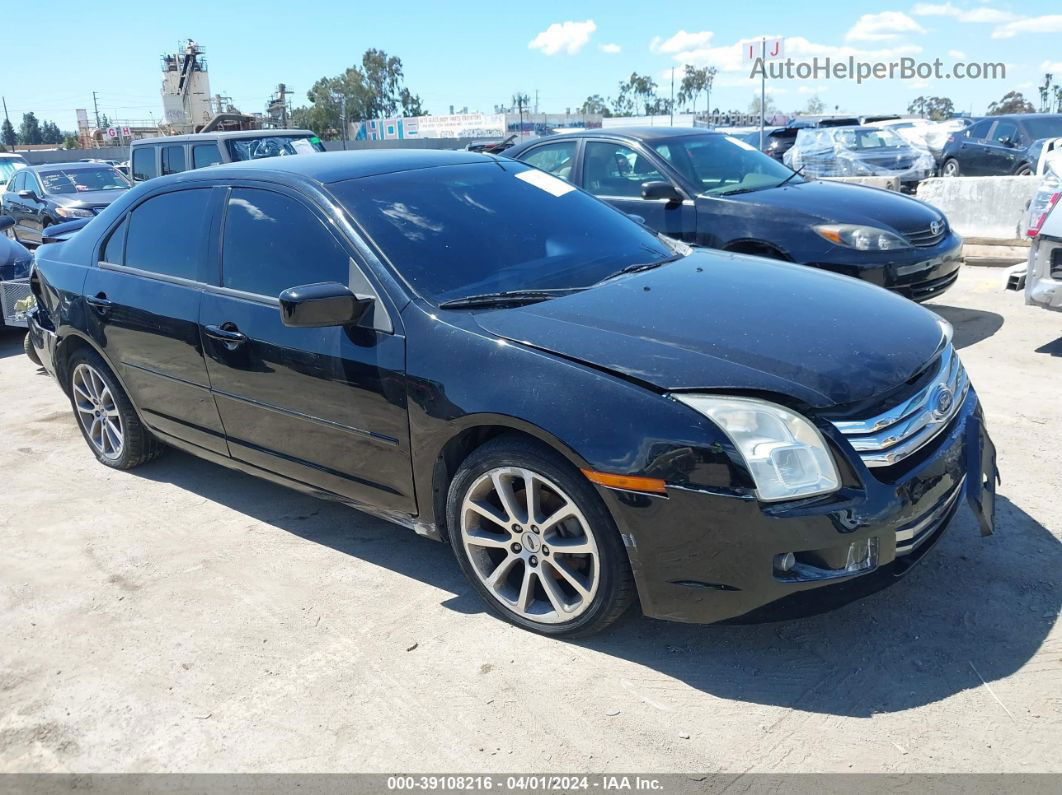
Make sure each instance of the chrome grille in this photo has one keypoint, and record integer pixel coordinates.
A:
(901, 431)
(928, 236)
(910, 536)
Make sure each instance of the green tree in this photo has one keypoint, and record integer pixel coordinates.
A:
(935, 108)
(814, 106)
(769, 108)
(70, 141)
(50, 133)
(638, 92)
(694, 82)
(8, 134)
(1012, 102)
(29, 132)
(595, 104)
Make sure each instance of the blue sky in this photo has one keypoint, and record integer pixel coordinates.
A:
(479, 54)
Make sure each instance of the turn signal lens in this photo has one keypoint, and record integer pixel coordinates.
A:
(626, 482)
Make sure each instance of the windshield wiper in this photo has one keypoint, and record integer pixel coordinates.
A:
(736, 191)
(638, 267)
(798, 173)
(508, 297)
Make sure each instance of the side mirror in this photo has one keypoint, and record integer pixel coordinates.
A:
(660, 189)
(322, 304)
(6, 221)
(27, 194)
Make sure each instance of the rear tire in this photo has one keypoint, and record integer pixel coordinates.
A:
(27, 347)
(552, 563)
(1024, 170)
(950, 168)
(105, 415)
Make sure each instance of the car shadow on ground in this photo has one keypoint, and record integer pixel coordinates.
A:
(971, 325)
(11, 341)
(1053, 348)
(974, 611)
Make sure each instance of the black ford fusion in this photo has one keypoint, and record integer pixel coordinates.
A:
(717, 190)
(589, 414)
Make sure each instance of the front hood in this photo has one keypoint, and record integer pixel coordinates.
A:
(837, 202)
(715, 320)
(88, 198)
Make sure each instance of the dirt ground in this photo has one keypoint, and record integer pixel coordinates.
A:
(184, 617)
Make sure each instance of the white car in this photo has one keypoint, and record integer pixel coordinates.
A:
(1041, 275)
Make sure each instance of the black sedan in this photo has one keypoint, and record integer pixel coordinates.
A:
(39, 196)
(1000, 145)
(590, 414)
(715, 190)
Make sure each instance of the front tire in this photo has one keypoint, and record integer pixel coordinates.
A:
(950, 168)
(536, 541)
(105, 415)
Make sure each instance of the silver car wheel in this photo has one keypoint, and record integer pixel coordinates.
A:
(530, 545)
(97, 412)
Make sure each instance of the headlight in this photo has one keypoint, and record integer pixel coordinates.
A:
(73, 212)
(785, 453)
(864, 238)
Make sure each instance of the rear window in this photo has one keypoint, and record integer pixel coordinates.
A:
(151, 244)
(172, 160)
(143, 165)
(272, 146)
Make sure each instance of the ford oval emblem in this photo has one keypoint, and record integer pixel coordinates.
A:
(936, 227)
(942, 400)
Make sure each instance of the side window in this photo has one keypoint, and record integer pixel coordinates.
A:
(616, 170)
(272, 242)
(18, 183)
(151, 243)
(205, 155)
(172, 160)
(1005, 131)
(979, 131)
(114, 249)
(143, 165)
(555, 158)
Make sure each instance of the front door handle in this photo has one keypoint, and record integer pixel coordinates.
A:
(100, 303)
(226, 333)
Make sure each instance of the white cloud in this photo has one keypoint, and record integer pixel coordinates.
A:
(1054, 68)
(990, 16)
(885, 26)
(569, 37)
(729, 58)
(683, 40)
(611, 49)
(1051, 23)
(957, 54)
(812, 89)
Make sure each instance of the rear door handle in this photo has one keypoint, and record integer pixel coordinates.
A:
(100, 303)
(226, 333)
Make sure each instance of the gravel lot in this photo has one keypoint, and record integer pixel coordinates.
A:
(184, 617)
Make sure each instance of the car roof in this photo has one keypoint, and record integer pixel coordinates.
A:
(638, 133)
(326, 167)
(69, 166)
(214, 136)
(1024, 116)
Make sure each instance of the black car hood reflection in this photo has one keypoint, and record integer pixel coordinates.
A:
(726, 321)
(86, 198)
(845, 203)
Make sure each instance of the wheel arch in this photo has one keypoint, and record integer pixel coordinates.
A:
(71, 342)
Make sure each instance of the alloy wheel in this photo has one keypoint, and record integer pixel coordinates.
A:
(97, 412)
(530, 546)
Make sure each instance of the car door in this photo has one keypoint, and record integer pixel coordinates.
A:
(323, 406)
(143, 310)
(15, 205)
(615, 172)
(973, 152)
(1002, 152)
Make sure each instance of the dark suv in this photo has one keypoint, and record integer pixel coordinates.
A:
(999, 145)
(587, 412)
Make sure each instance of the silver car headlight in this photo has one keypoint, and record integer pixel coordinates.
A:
(863, 238)
(73, 212)
(784, 451)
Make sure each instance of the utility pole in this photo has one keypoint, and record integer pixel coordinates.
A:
(343, 119)
(672, 106)
(6, 117)
(96, 108)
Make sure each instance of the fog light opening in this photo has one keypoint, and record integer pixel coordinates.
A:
(784, 562)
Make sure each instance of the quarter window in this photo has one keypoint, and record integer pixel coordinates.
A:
(555, 158)
(979, 130)
(272, 242)
(143, 165)
(168, 233)
(114, 249)
(172, 160)
(616, 170)
(205, 155)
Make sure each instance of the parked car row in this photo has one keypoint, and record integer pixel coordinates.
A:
(716, 190)
(1000, 145)
(589, 412)
(859, 152)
